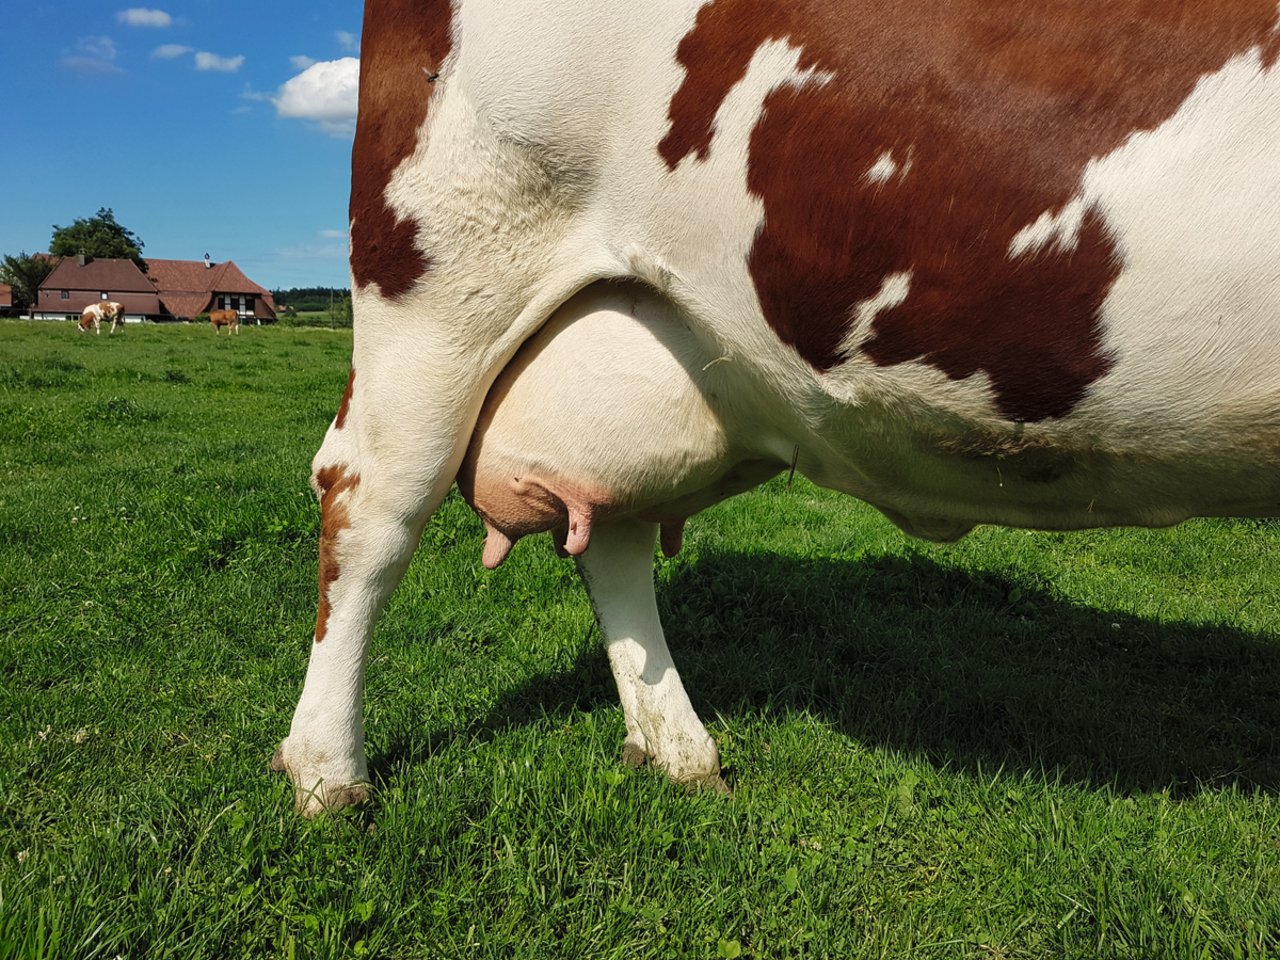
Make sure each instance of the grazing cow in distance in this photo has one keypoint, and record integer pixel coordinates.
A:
(95, 313)
(989, 261)
(225, 318)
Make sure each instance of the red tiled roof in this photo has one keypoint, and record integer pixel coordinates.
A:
(112, 276)
(233, 280)
(192, 276)
(179, 276)
(187, 287)
(185, 304)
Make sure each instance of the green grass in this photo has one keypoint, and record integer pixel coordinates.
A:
(1024, 746)
(333, 319)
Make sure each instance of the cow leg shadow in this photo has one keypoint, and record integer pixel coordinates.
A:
(967, 669)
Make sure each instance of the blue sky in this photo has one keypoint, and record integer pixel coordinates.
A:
(207, 125)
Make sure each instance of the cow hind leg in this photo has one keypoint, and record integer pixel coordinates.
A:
(662, 725)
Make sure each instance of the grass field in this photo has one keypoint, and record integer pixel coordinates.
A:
(1024, 746)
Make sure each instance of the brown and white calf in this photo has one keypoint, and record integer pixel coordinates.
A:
(224, 318)
(95, 313)
(989, 261)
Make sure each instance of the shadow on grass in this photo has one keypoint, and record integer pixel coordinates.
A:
(969, 669)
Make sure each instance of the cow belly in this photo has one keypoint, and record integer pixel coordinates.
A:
(940, 483)
(605, 413)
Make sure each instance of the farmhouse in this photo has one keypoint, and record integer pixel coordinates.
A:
(191, 287)
(6, 300)
(170, 290)
(79, 281)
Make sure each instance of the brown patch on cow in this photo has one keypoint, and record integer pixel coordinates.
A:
(404, 41)
(1000, 106)
(341, 419)
(332, 483)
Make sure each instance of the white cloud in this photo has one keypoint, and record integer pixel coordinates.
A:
(332, 234)
(100, 48)
(89, 65)
(169, 51)
(93, 55)
(211, 61)
(142, 17)
(301, 62)
(326, 93)
(347, 40)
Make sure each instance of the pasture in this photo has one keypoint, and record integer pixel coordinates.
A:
(1024, 746)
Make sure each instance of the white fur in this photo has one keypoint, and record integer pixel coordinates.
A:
(1060, 228)
(661, 722)
(883, 169)
(886, 168)
(1194, 318)
(893, 291)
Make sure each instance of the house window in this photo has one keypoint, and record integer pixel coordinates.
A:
(222, 302)
(103, 295)
(64, 295)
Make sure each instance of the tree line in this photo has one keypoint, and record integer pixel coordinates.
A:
(310, 299)
(313, 306)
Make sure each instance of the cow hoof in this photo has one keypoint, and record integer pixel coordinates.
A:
(705, 781)
(324, 798)
(634, 755)
(314, 793)
(693, 761)
(714, 784)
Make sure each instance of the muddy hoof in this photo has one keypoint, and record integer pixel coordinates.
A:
(322, 799)
(319, 787)
(716, 784)
(712, 784)
(634, 755)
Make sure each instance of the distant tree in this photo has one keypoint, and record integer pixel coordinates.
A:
(25, 273)
(309, 299)
(98, 236)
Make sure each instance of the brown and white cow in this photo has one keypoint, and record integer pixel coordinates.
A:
(224, 318)
(988, 261)
(95, 313)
